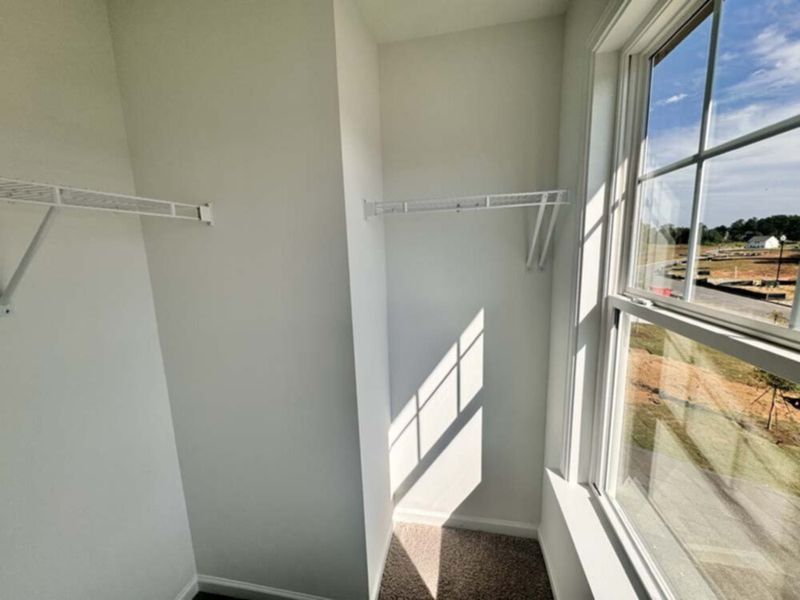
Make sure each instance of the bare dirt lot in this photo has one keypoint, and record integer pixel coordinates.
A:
(762, 267)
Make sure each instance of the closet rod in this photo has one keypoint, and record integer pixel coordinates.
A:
(545, 200)
(47, 194)
(458, 204)
(56, 197)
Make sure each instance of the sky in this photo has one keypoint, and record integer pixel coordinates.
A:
(757, 82)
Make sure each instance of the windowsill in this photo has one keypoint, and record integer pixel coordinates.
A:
(602, 564)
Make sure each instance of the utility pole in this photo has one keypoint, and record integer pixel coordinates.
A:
(780, 260)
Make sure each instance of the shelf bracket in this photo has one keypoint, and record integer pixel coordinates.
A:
(548, 240)
(536, 229)
(7, 296)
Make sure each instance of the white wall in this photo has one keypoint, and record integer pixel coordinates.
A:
(468, 113)
(359, 111)
(237, 102)
(90, 493)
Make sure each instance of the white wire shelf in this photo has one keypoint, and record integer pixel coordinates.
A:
(483, 202)
(545, 201)
(59, 196)
(56, 197)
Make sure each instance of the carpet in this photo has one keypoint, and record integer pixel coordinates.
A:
(433, 563)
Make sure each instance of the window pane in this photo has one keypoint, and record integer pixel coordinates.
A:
(757, 75)
(750, 202)
(664, 218)
(676, 95)
(708, 467)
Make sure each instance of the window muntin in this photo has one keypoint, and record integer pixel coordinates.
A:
(677, 82)
(665, 212)
(762, 180)
(751, 197)
(707, 466)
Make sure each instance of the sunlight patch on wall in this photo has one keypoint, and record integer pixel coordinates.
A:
(435, 445)
(440, 407)
(453, 476)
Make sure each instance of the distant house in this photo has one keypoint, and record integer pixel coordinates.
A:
(763, 241)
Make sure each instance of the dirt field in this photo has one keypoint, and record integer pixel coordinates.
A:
(762, 267)
(723, 264)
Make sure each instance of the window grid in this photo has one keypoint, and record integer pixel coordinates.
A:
(699, 160)
(692, 316)
(694, 227)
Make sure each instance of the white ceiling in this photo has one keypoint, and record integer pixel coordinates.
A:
(394, 20)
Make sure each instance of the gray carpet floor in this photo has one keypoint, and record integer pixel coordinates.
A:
(432, 563)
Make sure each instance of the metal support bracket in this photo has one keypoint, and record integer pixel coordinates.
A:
(548, 240)
(551, 226)
(536, 229)
(7, 296)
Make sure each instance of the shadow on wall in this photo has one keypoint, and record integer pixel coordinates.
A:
(435, 442)
(435, 450)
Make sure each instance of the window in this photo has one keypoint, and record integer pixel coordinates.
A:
(697, 452)
(718, 217)
(707, 469)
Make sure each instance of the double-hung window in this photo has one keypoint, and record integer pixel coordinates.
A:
(697, 452)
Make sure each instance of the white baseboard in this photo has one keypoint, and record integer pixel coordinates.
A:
(189, 591)
(543, 546)
(376, 587)
(438, 519)
(248, 591)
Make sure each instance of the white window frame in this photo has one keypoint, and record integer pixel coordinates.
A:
(638, 54)
(768, 347)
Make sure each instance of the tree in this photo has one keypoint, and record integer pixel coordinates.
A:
(711, 236)
(742, 230)
(780, 386)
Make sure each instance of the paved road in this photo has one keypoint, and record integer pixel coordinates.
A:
(741, 305)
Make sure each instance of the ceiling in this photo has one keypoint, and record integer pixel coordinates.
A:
(394, 20)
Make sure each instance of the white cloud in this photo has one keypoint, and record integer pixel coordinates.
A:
(727, 124)
(672, 99)
(776, 60)
(758, 180)
(761, 179)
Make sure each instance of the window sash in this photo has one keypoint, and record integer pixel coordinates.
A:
(774, 348)
(781, 361)
(637, 69)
